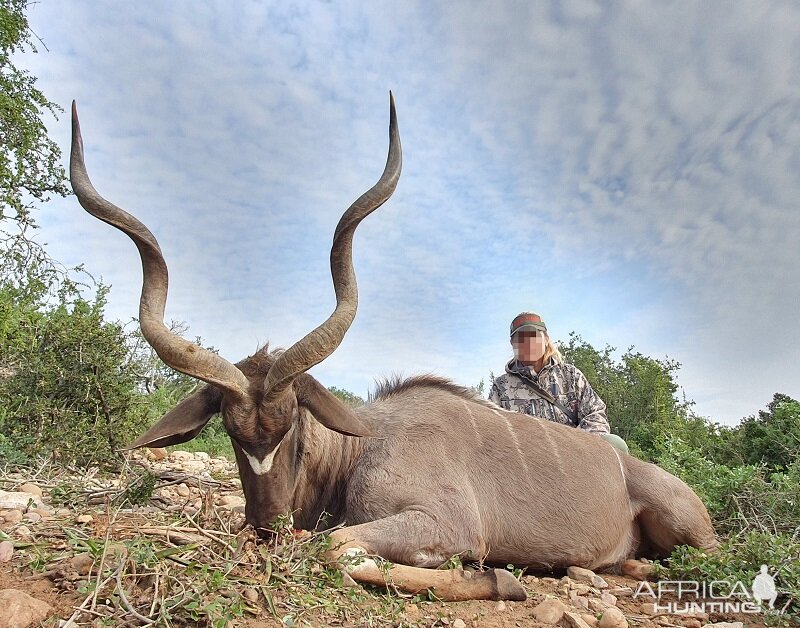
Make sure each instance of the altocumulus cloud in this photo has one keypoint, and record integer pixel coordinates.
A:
(628, 170)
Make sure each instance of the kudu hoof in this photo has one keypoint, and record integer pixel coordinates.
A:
(507, 586)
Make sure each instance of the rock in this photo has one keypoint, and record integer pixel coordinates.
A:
(158, 453)
(621, 591)
(581, 603)
(586, 575)
(31, 489)
(181, 455)
(82, 563)
(193, 466)
(63, 512)
(597, 606)
(692, 623)
(201, 455)
(87, 518)
(459, 623)
(6, 551)
(23, 532)
(581, 588)
(648, 608)
(183, 490)
(613, 618)
(33, 517)
(608, 599)
(725, 624)
(19, 501)
(20, 610)
(550, 611)
(12, 516)
(500, 607)
(574, 621)
(251, 595)
(591, 620)
(232, 501)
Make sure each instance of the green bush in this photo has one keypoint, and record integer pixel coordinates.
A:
(69, 388)
(739, 558)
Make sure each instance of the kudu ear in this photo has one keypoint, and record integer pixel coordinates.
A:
(329, 410)
(184, 421)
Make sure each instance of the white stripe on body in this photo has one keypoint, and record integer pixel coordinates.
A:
(624, 479)
(516, 442)
(474, 424)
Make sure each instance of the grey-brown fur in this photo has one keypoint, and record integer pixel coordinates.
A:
(425, 471)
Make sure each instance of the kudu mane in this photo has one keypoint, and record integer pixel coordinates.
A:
(397, 384)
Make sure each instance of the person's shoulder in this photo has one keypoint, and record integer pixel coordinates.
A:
(501, 380)
(572, 370)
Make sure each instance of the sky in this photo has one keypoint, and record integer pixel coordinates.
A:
(629, 170)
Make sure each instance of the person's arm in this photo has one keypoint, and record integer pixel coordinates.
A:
(494, 394)
(591, 409)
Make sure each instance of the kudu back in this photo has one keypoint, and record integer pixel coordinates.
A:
(425, 471)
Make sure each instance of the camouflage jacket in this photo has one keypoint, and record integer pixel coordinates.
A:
(564, 381)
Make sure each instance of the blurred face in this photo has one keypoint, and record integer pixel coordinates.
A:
(529, 346)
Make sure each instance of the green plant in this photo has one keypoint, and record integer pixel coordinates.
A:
(139, 489)
(738, 559)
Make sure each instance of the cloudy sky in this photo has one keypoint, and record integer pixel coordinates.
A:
(627, 169)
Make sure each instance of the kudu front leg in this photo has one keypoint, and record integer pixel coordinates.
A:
(401, 539)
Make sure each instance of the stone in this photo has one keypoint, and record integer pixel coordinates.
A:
(201, 455)
(597, 606)
(500, 607)
(608, 599)
(692, 623)
(586, 575)
(193, 466)
(19, 500)
(23, 532)
(648, 608)
(87, 518)
(581, 588)
(591, 620)
(573, 620)
(183, 490)
(612, 618)
(33, 517)
(20, 610)
(12, 516)
(725, 624)
(158, 453)
(550, 611)
(63, 512)
(82, 563)
(6, 551)
(31, 489)
(459, 623)
(232, 501)
(581, 603)
(181, 455)
(250, 594)
(621, 591)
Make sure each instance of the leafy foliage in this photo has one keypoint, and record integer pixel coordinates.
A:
(351, 399)
(70, 387)
(773, 437)
(29, 159)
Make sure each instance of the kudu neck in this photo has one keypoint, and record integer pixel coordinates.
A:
(326, 462)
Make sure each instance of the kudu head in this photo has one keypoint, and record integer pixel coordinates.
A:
(262, 397)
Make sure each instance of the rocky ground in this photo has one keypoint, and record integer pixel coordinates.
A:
(74, 551)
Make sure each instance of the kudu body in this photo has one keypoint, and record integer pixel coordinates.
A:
(424, 472)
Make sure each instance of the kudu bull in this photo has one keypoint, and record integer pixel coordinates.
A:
(425, 471)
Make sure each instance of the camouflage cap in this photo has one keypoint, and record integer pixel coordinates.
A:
(527, 321)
